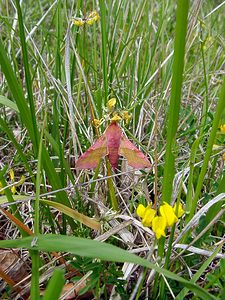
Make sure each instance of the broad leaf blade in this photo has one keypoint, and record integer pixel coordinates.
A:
(95, 249)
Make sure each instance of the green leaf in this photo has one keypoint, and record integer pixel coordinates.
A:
(175, 98)
(8, 103)
(95, 249)
(55, 286)
(16, 90)
(92, 223)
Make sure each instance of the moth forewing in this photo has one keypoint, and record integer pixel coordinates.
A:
(91, 157)
(135, 158)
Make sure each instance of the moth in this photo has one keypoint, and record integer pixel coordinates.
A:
(113, 144)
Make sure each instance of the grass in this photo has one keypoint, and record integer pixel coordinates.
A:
(164, 65)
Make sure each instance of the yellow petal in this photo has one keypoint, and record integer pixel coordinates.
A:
(13, 189)
(159, 226)
(1, 186)
(92, 17)
(148, 216)
(178, 210)
(167, 212)
(94, 14)
(97, 122)
(11, 174)
(222, 128)
(116, 118)
(78, 22)
(140, 211)
(111, 103)
(90, 21)
(159, 233)
(126, 116)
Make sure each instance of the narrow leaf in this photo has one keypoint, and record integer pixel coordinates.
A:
(55, 285)
(74, 214)
(8, 103)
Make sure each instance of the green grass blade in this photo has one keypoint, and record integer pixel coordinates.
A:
(35, 291)
(95, 249)
(57, 150)
(104, 41)
(219, 110)
(174, 107)
(10, 134)
(8, 103)
(27, 75)
(16, 90)
(25, 114)
(197, 275)
(55, 286)
(173, 112)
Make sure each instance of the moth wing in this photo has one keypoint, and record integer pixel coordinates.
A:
(91, 157)
(135, 157)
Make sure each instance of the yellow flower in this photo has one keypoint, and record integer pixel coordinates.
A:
(159, 226)
(78, 22)
(111, 103)
(126, 116)
(146, 213)
(178, 210)
(222, 128)
(90, 20)
(116, 118)
(97, 122)
(167, 212)
(92, 17)
(148, 216)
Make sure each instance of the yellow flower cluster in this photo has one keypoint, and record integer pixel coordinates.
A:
(125, 116)
(12, 179)
(122, 115)
(114, 116)
(168, 217)
(90, 20)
